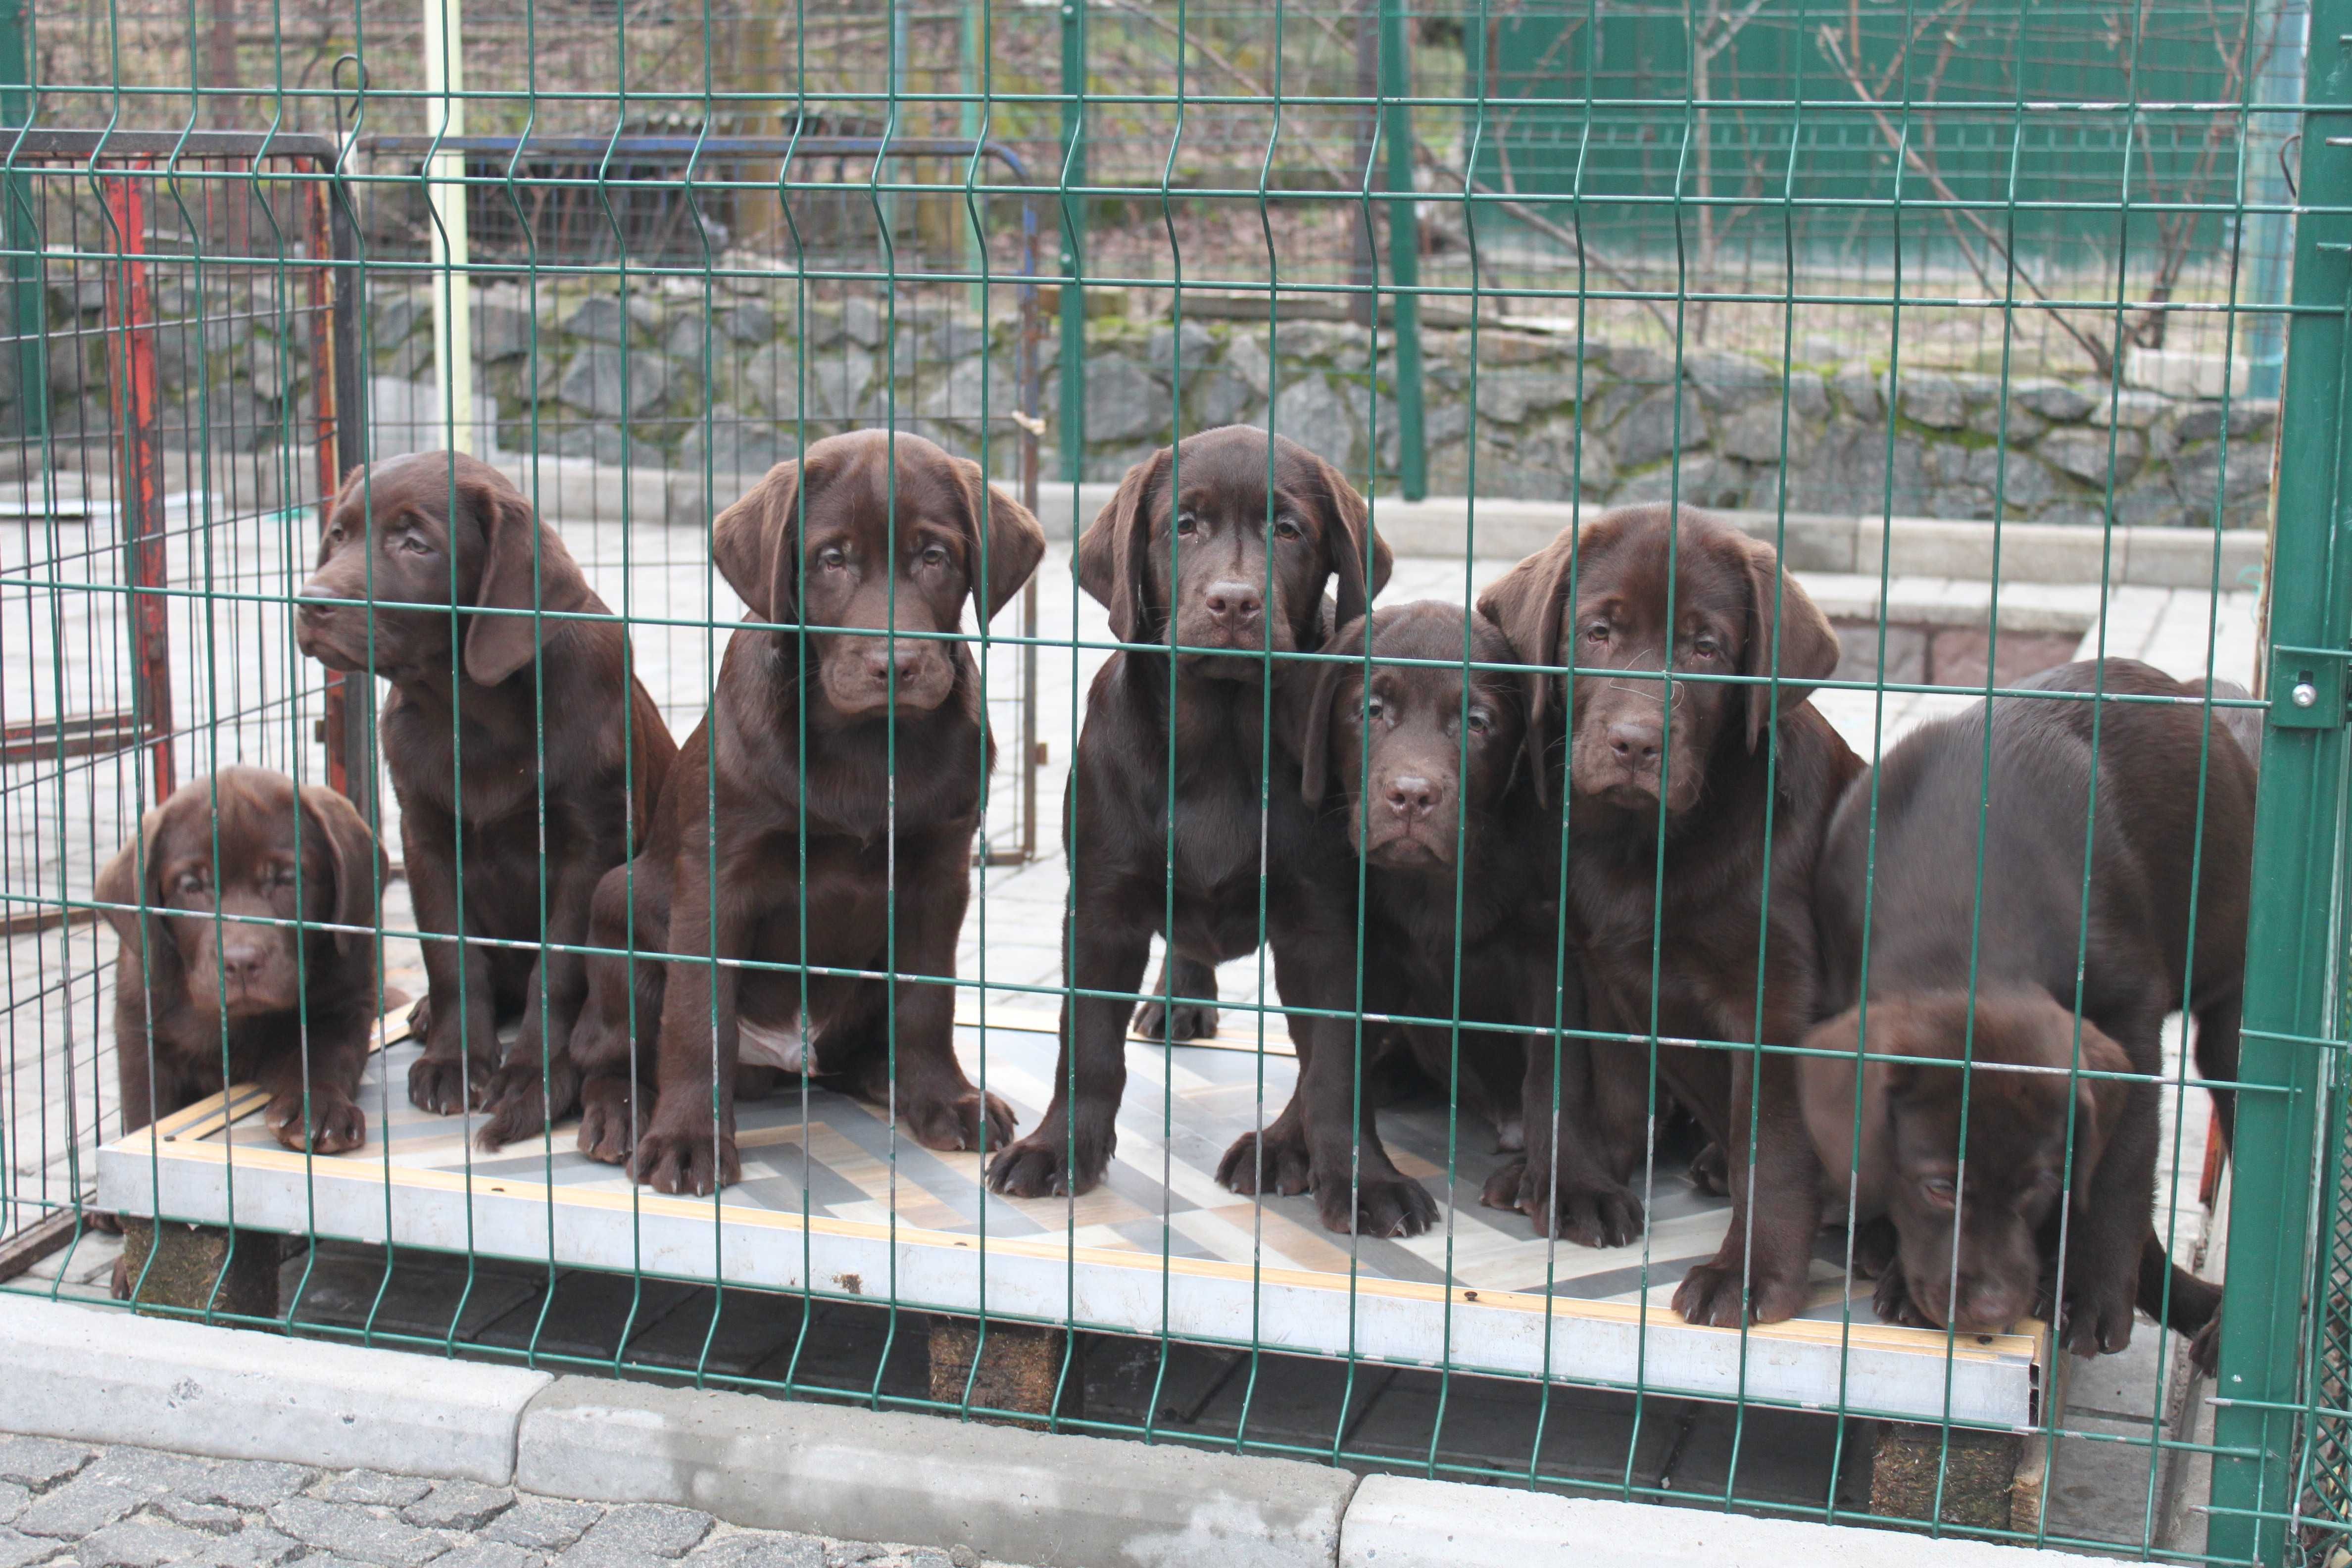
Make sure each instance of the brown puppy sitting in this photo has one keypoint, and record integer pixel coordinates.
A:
(1184, 556)
(1443, 797)
(524, 754)
(1691, 800)
(865, 833)
(222, 975)
(1977, 1239)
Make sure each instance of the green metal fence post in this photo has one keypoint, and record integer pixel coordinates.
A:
(1404, 249)
(2289, 966)
(1072, 367)
(20, 227)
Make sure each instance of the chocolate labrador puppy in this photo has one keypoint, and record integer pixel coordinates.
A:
(837, 781)
(1440, 794)
(223, 974)
(524, 753)
(1696, 812)
(1975, 1239)
(1201, 555)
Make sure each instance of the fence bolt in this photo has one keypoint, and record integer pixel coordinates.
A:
(2304, 695)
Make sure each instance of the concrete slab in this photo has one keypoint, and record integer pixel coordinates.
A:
(75, 1372)
(1398, 1523)
(1054, 1500)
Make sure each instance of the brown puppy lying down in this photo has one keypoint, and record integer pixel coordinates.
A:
(491, 718)
(199, 1002)
(1184, 556)
(1977, 1242)
(1446, 803)
(1738, 778)
(866, 832)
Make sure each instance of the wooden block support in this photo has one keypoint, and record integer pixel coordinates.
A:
(1019, 1367)
(1981, 1481)
(197, 1267)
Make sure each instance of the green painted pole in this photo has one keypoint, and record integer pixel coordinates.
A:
(1404, 249)
(2290, 969)
(1073, 368)
(20, 227)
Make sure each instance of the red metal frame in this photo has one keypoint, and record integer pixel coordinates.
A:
(334, 725)
(138, 456)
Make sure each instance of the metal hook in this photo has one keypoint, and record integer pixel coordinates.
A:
(359, 89)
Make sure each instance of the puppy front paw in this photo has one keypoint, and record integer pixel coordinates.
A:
(1044, 1166)
(446, 1085)
(1376, 1205)
(684, 1163)
(959, 1122)
(1591, 1212)
(1892, 1300)
(608, 1119)
(2097, 1321)
(337, 1124)
(1713, 1294)
(1186, 1021)
(1275, 1164)
(516, 1107)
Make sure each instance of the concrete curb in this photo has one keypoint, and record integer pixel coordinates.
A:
(1024, 1497)
(1910, 546)
(1509, 529)
(95, 1375)
(1397, 1522)
(89, 1375)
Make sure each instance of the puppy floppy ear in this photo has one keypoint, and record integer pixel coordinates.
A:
(517, 553)
(1346, 536)
(756, 544)
(1527, 603)
(361, 864)
(1314, 725)
(1808, 643)
(1001, 528)
(1114, 559)
(119, 880)
(2098, 1101)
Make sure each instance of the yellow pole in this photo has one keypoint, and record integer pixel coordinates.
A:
(453, 319)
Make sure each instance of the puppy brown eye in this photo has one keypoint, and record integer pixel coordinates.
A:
(936, 556)
(831, 558)
(1597, 632)
(1705, 647)
(1940, 1191)
(412, 544)
(1374, 708)
(1283, 528)
(1479, 722)
(192, 882)
(1187, 525)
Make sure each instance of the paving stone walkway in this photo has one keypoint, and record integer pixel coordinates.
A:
(70, 1505)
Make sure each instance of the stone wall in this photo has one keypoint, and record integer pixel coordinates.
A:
(723, 381)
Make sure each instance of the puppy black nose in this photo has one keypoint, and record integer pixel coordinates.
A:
(1234, 603)
(1635, 743)
(1412, 797)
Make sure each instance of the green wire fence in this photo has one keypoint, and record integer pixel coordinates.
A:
(2019, 331)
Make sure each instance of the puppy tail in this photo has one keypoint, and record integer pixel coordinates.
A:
(2171, 1294)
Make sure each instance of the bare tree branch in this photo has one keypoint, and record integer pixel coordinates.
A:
(1924, 165)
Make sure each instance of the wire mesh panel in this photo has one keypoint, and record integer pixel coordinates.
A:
(1679, 645)
(174, 436)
